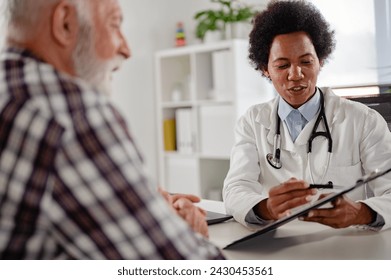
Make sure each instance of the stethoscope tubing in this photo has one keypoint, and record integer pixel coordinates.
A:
(275, 158)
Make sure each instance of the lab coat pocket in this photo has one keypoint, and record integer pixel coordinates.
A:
(346, 176)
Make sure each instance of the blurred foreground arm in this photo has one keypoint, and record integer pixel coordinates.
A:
(193, 215)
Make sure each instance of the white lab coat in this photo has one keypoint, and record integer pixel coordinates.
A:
(361, 143)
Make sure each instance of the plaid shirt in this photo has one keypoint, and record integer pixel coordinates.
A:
(72, 184)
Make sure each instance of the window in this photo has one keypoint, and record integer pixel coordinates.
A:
(362, 55)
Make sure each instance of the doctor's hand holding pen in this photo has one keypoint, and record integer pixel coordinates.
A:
(183, 204)
(294, 192)
(283, 198)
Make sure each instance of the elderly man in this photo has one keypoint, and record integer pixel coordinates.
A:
(72, 184)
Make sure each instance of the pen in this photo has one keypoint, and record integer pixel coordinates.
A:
(329, 185)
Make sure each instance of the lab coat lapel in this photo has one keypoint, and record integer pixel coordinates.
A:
(333, 115)
(268, 119)
(318, 159)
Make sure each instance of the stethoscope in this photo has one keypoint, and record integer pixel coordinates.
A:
(275, 158)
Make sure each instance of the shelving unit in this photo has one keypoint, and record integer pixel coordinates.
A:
(214, 84)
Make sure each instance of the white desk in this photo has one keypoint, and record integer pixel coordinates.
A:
(299, 240)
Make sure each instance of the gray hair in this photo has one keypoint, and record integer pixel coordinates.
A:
(25, 11)
(22, 15)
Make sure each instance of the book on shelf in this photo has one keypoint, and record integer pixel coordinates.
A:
(184, 130)
(169, 133)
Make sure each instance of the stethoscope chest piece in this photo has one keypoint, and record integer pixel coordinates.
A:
(275, 158)
(274, 161)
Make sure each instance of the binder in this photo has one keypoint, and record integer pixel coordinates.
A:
(184, 130)
(169, 134)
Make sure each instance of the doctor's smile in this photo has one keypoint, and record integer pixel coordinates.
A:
(297, 89)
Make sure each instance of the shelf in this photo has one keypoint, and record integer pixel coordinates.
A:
(177, 104)
(201, 48)
(198, 103)
(213, 102)
(175, 154)
(213, 157)
(204, 88)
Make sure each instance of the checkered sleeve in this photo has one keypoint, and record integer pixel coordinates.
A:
(104, 206)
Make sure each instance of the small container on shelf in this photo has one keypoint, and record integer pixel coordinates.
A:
(177, 93)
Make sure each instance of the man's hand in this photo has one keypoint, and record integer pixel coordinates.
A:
(344, 213)
(284, 197)
(184, 207)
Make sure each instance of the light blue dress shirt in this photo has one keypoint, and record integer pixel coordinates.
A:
(296, 119)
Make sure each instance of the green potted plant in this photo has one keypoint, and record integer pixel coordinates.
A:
(231, 11)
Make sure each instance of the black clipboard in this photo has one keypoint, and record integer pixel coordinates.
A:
(276, 224)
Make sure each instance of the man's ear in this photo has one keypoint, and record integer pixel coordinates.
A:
(65, 23)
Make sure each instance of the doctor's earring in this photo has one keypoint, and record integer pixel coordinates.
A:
(267, 76)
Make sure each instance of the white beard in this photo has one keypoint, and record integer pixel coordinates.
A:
(98, 73)
(89, 67)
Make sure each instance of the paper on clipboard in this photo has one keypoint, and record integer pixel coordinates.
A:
(274, 225)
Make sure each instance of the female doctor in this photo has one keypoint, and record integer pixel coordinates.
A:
(307, 135)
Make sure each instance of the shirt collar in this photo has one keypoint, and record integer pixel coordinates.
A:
(308, 109)
(14, 51)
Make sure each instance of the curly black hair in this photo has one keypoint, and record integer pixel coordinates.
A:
(283, 17)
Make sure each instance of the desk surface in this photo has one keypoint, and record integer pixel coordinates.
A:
(299, 240)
